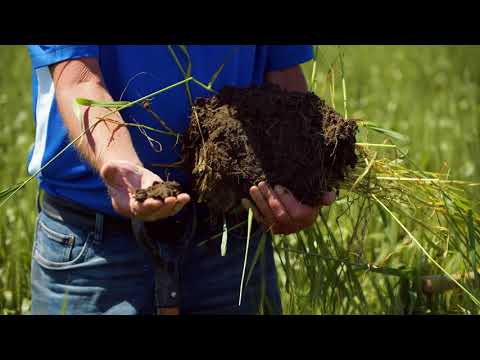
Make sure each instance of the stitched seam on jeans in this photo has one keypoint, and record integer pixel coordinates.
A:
(56, 236)
(34, 247)
(59, 265)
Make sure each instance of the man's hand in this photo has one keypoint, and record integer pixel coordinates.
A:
(280, 211)
(123, 178)
(108, 148)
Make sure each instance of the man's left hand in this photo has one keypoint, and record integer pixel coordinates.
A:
(280, 211)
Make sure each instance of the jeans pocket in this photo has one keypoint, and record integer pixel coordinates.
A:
(59, 245)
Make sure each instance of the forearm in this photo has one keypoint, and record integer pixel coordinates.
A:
(290, 79)
(106, 140)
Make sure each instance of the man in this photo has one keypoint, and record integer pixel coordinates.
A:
(85, 257)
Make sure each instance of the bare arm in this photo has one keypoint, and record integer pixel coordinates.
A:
(108, 146)
(83, 78)
(277, 208)
(291, 79)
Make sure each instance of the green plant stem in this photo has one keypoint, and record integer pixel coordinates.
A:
(472, 297)
(250, 219)
(146, 97)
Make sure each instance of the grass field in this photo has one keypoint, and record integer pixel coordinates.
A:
(429, 93)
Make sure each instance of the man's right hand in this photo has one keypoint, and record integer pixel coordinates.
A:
(123, 178)
(108, 148)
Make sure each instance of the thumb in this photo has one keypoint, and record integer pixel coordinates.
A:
(113, 175)
(120, 175)
(108, 172)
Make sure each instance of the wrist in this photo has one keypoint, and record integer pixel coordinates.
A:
(134, 160)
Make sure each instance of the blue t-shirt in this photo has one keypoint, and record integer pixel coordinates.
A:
(130, 72)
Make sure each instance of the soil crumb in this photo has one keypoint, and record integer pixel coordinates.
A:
(158, 190)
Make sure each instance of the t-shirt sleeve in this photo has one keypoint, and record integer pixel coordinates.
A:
(284, 56)
(44, 55)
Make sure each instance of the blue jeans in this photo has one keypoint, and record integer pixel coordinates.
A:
(102, 270)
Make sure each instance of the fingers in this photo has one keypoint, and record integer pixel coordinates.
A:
(153, 209)
(268, 219)
(247, 204)
(118, 203)
(182, 200)
(301, 214)
(281, 211)
(145, 208)
(273, 214)
(283, 223)
(123, 178)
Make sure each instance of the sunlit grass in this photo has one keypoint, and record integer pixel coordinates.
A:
(356, 259)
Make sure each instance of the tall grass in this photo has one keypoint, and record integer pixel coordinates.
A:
(17, 220)
(362, 257)
(357, 258)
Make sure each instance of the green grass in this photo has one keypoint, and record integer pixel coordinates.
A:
(429, 93)
(17, 219)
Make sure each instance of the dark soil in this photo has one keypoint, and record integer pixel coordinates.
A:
(246, 135)
(158, 190)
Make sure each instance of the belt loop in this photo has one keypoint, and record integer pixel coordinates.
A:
(98, 226)
(39, 206)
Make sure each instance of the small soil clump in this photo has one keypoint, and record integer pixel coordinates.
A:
(246, 135)
(158, 190)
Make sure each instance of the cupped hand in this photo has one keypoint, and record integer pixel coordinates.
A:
(123, 178)
(280, 211)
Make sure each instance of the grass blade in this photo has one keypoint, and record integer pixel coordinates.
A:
(472, 297)
(471, 238)
(219, 70)
(223, 246)
(260, 248)
(367, 169)
(313, 78)
(78, 114)
(104, 104)
(63, 310)
(344, 86)
(215, 75)
(249, 230)
(6, 192)
(390, 133)
(180, 67)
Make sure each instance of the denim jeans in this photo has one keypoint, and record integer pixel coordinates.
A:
(102, 270)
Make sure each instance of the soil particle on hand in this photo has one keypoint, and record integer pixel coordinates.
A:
(158, 190)
(246, 135)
